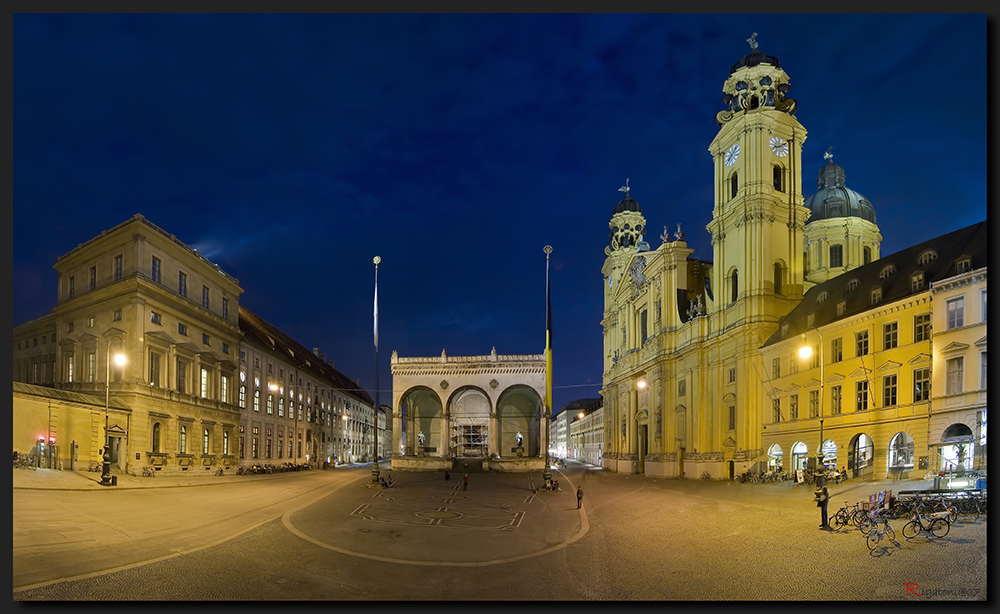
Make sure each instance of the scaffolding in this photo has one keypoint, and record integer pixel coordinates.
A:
(470, 439)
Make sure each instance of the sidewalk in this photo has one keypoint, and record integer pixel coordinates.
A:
(53, 479)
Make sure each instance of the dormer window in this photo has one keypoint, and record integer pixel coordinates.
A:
(852, 285)
(917, 281)
(876, 296)
(887, 271)
(822, 297)
(963, 265)
(926, 257)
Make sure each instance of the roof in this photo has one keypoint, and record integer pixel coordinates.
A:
(834, 199)
(890, 273)
(69, 395)
(581, 404)
(267, 336)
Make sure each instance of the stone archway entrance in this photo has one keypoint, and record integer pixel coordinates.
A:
(470, 424)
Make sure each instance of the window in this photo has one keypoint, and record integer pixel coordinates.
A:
(72, 287)
(204, 383)
(735, 287)
(225, 308)
(154, 368)
(921, 385)
(876, 296)
(732, 417)
(775, 410)
(204, 339)
(861, 390)
(956, 312)
(206, 442)
(811, 320)
(155, 269)
(256, 400)
(777, 278)
(243, 396)
(861, 343)
(242, 451)
(776, 368)
(836, 349)
(270, 404)
(93, 277)
(886, 271)
(118, 267)
(922, 327)
(814, 353)
(926, 257)
(814, 403)
(852, 285)
(182, 329)
(793, 363)
(890, 336)
(281, 407)
(182, 284)
(917, 282)
(841, 308)
(901, 451)
(836, 256)
(225, 348)
(836, 400)
(154, 317)
(182, 440)
(867, 255)
(888, 391)
(643, 331)
(962, 266)
(117, 317)
(793, 407)
(156, 437)
(69, 368)
(983, 295)
(91, 366)
(204, 297)
(732, 375)
(225, 442)
(982, 370)
(224, 389)
(734, 185)
(955, 375)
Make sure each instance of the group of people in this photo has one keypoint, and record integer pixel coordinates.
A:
(386, 482)
(552, 485)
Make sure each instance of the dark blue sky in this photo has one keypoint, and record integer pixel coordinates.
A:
(292, 149)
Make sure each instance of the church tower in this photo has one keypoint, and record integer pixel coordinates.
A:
(758, 217)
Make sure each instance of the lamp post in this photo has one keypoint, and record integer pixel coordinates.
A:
(547, 472)
(805, 352)
(375, 468)
(106, 464)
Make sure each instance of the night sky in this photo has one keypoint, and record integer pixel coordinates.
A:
(292, 149)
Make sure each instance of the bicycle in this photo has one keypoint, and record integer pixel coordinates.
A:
(148, 472)
(220, 471)
(706, 476)
(875, 536)
(24, 462)
(847, 515)
(937, 525)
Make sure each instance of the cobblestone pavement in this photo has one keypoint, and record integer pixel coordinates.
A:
(637, 538)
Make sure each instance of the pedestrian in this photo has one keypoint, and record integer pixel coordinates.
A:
(465, 482)
(824, 499)
(579, 497)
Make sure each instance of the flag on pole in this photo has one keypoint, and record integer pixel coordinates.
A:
(548, 335)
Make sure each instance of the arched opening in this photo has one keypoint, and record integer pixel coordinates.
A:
(518, 423)
(957, 448)
(735, 280)
(155, 444)
(420, 423)
(469, 410)
(774, 458)
(800, 456)
(829, 452)
(777, 277)
(859, 455)
(900, 453)
(734, 185)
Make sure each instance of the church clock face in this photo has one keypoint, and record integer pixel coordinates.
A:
(779, 146)
(732, 154)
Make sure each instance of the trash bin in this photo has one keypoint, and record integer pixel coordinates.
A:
(114, 480)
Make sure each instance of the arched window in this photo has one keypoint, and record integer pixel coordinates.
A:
(926, 257)
(901, 451)
(736, 286)
(734, 185)
(868, 255)
(204, 442)
(156, 437)
(887, 270)
(182, 441)
(225, 442)
(778, 178)
(777, 278)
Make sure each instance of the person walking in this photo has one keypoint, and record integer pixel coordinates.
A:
(579, 497)
(824, 499)
(465, 482)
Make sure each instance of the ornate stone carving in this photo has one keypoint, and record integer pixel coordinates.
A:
(494, 384)
(444, 384)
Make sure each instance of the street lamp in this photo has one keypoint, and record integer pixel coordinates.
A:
(120, 361)
(806, 352)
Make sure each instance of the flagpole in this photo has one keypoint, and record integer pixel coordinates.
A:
(375, 468)
(547, 473)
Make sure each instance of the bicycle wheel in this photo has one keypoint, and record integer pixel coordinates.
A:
(838, 520)
(866, 524)
(911, 529)
(890, 534)
(940, 527)
(874, 537)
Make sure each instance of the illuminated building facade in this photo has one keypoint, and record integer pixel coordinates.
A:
(185, 398)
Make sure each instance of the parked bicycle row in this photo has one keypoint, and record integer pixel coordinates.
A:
(268, 468)
(23, 461)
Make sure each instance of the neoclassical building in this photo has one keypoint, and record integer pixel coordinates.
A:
(450, 411)
(149, 352)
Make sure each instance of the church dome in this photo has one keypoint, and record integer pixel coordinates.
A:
(834, 199)
(627, 204)
(754, 58)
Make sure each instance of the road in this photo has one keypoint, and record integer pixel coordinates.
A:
(327, 535)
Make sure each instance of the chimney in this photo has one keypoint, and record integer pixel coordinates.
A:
(323, 356)
(316, 351)
(331, 364)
